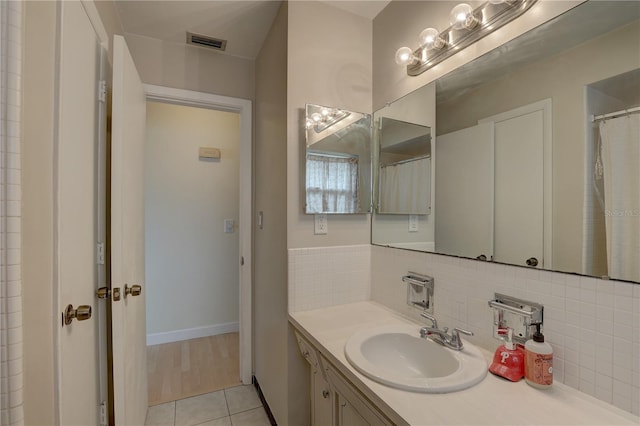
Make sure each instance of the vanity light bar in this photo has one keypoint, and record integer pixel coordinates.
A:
(479, 23)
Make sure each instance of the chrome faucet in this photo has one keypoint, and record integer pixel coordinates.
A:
(452, 341)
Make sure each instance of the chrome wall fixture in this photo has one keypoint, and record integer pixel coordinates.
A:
(468, 25)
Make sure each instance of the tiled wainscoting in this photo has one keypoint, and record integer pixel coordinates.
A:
(592, 324)
(328, 276)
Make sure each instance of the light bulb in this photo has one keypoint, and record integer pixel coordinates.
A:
(309, 124)
(404, 56)
(316, 117)
(461, 17)
(325, 112)
(430, 38)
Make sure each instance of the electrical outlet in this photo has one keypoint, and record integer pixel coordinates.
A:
(413, 223)
(320, 226)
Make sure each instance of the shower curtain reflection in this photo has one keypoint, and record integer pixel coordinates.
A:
(621, 165)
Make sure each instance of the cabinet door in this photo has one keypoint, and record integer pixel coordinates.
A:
(352, 408)
(349, 416)
(321, 402)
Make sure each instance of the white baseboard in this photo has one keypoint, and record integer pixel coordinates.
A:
(191, 333)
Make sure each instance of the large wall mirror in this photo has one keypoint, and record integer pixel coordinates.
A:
(337, 161)
(525, 170)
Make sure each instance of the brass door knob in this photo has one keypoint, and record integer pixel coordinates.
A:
(134, 290)
(83, 312)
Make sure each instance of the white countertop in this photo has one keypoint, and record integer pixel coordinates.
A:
(494, 401)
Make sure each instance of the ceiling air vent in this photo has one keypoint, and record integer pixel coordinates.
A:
(210, 42)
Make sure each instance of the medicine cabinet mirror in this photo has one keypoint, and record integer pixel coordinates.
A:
(337, 161)
(519, 172)
(404, 167)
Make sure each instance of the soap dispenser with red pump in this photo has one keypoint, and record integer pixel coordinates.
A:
(508, 361)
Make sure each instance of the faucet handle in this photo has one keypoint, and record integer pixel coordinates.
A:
(456, 342)
(460, 330)
(430, 318)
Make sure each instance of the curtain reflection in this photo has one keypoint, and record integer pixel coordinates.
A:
(404, 187)
(332, 183)
(621, 161)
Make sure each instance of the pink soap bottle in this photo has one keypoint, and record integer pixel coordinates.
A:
(538, 361)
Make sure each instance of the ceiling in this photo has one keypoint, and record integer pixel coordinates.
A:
(244, 24)
(568, 30)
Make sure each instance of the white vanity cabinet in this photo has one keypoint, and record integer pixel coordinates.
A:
(334, 400)
(322, 398)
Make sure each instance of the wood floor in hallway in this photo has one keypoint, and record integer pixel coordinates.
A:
(183, 369)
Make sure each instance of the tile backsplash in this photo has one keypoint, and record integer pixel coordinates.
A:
(592, 324)
(327, 276)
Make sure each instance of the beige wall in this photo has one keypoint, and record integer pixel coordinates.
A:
(188, 67)
(563, 79)
(400, 23)
(271, 337)
(187, 200)
(329, 63)
(37, 207)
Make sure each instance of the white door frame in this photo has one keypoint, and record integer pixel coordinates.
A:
(244, 108)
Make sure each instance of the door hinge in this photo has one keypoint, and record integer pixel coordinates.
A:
(103, 413)
(102, 91)
(100, 253)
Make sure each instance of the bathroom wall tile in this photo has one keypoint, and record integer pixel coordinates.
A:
(622, 401)
(326, 276)
(604, 394)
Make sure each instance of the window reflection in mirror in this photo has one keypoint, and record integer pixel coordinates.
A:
(337, 161)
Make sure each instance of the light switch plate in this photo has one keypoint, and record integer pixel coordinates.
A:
(320, 226)
(229, 226)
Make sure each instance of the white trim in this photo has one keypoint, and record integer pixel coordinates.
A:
(546, 106)
(94, 17)
(244, 108)
(192, 333)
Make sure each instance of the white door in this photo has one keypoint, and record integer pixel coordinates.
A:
(518, 208)
(75, 191)
(523, 174)
(130, 398)
(464, 184)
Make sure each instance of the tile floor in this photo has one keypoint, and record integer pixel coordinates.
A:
(236, 406)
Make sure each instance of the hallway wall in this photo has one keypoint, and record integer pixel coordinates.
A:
(190, 67)
(270, 198)
(191, 262)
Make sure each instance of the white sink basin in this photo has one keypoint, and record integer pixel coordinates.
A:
(397, 356)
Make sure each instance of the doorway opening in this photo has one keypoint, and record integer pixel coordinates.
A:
(198, 242)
